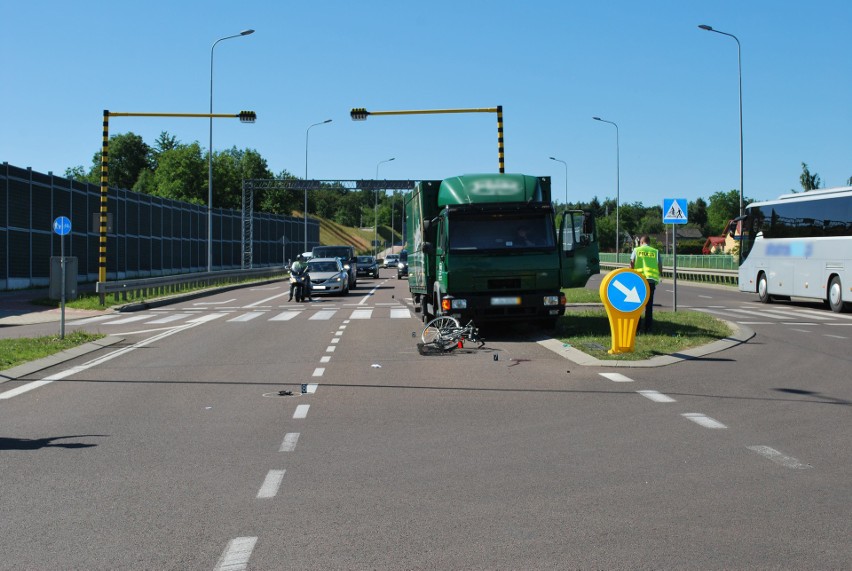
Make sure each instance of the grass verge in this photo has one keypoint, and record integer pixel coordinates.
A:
(588, 330)
(16, 351)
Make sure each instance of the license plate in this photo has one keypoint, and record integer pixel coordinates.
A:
(505, 301)
(319, 287)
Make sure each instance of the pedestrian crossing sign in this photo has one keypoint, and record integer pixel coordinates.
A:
(674, 211)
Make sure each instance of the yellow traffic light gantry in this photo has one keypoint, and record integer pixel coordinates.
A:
(361, 114)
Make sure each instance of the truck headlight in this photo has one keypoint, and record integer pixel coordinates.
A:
(551, 300)
(459, 304)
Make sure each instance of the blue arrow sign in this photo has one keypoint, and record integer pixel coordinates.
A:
(62, 225)
(626, 292)
(674, 211)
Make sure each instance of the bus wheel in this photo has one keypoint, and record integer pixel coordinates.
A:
(763, 289)
(835, 295)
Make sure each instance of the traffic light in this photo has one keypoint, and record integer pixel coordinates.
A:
(247, 116)
(359, 114)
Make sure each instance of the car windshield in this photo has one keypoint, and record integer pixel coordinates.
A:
(322, 266)
(332, 252)
(365, 259)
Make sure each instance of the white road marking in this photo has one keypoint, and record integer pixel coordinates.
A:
(323, 314)
(247, 316)
(129, 319)
(289, 443)
(369, 295)
(361, 314)
(255, 304)
(318, 372)
(706, 296)
(338, 333)
(271, 483)
(312, 388)
(656, 396)
(825, 314)
(834, 336)
(93, 363)
(400, 313)
(214, 302)
(208, 317)
(799, 323)
(91, 319)
(759, 313)
(335, 341)
(285, 316)
(170, 318)
(800, 330)
(754, 322)
(236, 555)
(325, 359)
(703, 420)
(796, 314)
(330, 349)
(301, 411)
(616, 377)
(779, 458)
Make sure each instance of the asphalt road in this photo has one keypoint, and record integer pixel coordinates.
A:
(175, 450)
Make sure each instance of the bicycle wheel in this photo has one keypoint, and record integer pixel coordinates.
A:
(437, 332)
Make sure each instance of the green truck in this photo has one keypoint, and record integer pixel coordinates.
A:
(486, 247)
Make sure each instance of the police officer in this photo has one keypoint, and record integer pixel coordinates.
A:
(646, 260)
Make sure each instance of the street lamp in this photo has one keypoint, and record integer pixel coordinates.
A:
(740, 74)
(210, 157)
(566, 177)
(617, 189)
(376, 210)
(305, 213)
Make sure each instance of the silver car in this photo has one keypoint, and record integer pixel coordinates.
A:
(328, 276)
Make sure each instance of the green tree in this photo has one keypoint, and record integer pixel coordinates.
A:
(724, 206)
(807, 180)
(697, 214)
(128, 156)
(182, 174)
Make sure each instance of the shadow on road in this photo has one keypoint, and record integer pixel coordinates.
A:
(38, 443)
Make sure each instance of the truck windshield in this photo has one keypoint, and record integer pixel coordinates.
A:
(501, 231)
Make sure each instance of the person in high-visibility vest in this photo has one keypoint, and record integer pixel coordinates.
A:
(646, 260)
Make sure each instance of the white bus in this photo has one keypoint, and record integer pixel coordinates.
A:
(799, 245)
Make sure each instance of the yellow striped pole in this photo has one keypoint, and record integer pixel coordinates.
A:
(500, 153)
(102, 240)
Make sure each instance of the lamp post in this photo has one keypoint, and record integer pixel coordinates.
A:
(617, 189)
(566, 177)
(376, 209)
(305, 213)
(740, 75)
(210, 157)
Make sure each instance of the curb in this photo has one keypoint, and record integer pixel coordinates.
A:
(740, 334)
(57, 358)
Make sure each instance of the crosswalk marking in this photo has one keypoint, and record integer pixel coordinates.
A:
(361, 314)
(247, 316)
(170, 318)
(128, 319)
(323, 314)
(94, 319)
(208, 317)
(400, 313)
(285, 316)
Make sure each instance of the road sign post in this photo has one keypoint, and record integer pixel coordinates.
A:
(62, 226)
(674, 212)
(624, 293)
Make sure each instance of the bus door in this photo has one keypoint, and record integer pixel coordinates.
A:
(578, 248)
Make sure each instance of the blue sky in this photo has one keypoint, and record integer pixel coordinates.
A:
(552, 65)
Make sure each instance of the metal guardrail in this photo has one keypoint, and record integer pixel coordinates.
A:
(726, 277)
(126, 290)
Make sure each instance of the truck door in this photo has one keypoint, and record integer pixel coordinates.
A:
(578, 248)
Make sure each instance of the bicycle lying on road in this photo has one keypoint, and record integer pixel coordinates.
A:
(446, 334)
